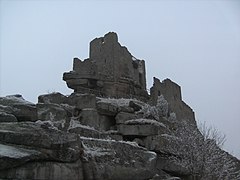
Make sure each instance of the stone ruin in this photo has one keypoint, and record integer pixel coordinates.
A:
(107, 129)
(112, 71)
(109, 71)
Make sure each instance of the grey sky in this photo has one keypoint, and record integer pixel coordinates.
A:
(194, 43)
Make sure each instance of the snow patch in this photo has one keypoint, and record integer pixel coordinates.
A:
(144, 121)
(113, 141)
(48, 124)
(75, 124)
(13, 152)
(97, 151)
(133, 58)
(119, 102)
(111, 132)
(153, 156)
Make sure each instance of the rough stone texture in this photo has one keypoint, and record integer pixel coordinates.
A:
(117, 160)
(172, 167)
(25, 112)
(45, 170)
(56, 145)
(89, 116)
(116, 137)
(138, 130)
(136, 106)
(126, 109)
(6, 109)
(161, 143)
(172, 93)
(106, 122)
(5, 117)
(13, 99)
(107, 108)
(19, 107)
(171, 124)
(82, 101)
(124, 116)
(12, 156)
(111, 70)
(53, 98)
(52, 112)
(87, 132)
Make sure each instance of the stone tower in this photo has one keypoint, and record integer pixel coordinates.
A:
(110, 70)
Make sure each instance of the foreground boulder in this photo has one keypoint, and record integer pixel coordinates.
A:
(19, 107)
(49, 153)
(56, 145)
(38, 150)
(109, 159)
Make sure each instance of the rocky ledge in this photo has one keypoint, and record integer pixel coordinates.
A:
(80, 136)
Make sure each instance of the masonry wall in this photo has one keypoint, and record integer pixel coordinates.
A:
(111, 70)
(172, 93)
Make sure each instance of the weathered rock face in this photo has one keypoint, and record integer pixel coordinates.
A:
(74, 138)
(110, 71)
(35, 151)
(110, 159)
(142, 127)
(89, 136)
(45, 170)
(55, 144)
(16, 106)
(53, 98)
(5, 117)
(29, 150)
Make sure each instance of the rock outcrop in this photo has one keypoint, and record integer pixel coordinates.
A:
(109, 128)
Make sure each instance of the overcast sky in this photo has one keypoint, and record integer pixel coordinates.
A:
(194, 43)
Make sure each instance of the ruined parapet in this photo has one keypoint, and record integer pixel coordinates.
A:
(172, 93)
(110, 70)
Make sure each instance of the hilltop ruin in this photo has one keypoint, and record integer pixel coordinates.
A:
(109, 128)
(112, 71)
(109, 71)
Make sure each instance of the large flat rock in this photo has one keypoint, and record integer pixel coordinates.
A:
(53, 98)
(163, 143)
(109, 159)
(142, 127)
(19, 107)
(138, 130)
(58, 145)
(12, 156)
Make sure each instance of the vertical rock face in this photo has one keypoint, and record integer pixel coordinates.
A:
(110, 71)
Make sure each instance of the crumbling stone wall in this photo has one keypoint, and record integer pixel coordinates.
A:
(111, 70)
(172, 93)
